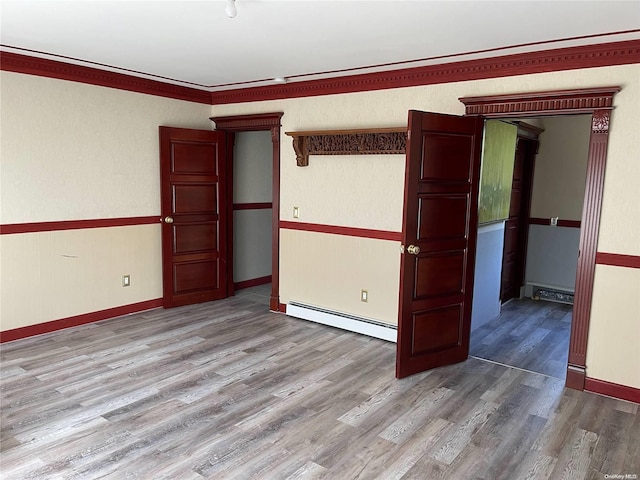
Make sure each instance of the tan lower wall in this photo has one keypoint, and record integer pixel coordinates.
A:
(613, 352)
(329, 271)
(51, 275)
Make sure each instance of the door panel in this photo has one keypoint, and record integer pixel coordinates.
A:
(515, 229)
(436, 329)
(194, 239)
(191, 277)
(438, 275)
(455, 147)
(192, 198)
(193, 158)
(440, 219)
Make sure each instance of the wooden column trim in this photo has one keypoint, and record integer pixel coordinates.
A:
(348, 142)
(590, 226)
(272, 123)
(274, 300)
(598, 102)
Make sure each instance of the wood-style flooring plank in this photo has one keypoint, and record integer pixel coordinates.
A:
(228, 390)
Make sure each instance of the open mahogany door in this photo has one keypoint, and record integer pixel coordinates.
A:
(440, 229)
(194, 215)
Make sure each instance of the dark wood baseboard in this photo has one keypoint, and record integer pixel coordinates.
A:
(254, 282)
(46, 327)
(614, 390)
(575, 377)
(276, 306)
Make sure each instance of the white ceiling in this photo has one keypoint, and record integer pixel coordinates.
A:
(195, 42)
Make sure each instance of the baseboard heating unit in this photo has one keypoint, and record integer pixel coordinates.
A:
(552, 295)
(343, 321)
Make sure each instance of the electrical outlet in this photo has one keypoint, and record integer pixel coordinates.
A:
(126, 280)
(296, 212)
(364, 296)
(554, 221)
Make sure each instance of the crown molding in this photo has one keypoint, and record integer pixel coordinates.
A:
(570, 58)
(42, 67)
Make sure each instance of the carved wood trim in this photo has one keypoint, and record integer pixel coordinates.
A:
(348, 142)
(598, 102)
(541, 103)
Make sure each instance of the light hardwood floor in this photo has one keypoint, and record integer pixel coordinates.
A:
(228, 390)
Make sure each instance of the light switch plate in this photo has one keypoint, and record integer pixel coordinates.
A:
(126, 280)
(364, 296)
(296, 212)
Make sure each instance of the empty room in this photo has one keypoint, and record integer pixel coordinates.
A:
(319, 239)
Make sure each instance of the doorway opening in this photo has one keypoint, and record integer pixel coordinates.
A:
(526, 264)
(597, 102)
(252, 215)
(253, 212)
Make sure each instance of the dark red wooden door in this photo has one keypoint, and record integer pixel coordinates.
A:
(515, 228)
(439, 230)
(194, 219)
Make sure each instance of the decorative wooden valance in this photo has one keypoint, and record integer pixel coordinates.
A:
(348, 142)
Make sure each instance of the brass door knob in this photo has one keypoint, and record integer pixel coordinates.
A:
(413, 249)
(168, 220)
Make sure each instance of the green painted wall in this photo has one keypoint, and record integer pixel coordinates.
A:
(496, 174)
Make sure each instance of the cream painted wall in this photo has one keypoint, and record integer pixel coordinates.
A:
(300, 186)
(613, 352)
(558, 191)
(561, 167)
(52, 275)
(389, 108)
(72, 151)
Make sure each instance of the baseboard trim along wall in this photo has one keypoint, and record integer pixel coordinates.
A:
(614, 390)
(254, 282)
(343, 321)
(62, 323)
